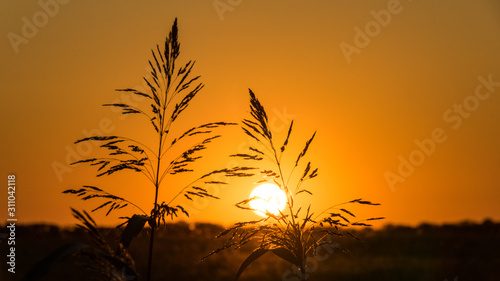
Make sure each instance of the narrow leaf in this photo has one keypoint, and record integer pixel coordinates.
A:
(134, 226)
(286, 255)
(251, 258)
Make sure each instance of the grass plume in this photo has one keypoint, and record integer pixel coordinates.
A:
(297, 232)
(172, 87)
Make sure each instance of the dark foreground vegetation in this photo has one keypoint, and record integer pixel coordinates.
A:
(466, 251)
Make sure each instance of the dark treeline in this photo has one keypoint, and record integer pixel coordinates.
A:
(465, 251)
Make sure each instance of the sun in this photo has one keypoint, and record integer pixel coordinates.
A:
(269, 198)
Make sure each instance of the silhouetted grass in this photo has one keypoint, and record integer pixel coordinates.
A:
(297, 234)
(172, 87)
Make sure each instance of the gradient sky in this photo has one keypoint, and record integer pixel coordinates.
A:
(372, 97)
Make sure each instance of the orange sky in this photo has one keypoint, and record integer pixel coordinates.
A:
(372, 89)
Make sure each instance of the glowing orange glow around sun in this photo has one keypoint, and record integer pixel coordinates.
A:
(269, 198)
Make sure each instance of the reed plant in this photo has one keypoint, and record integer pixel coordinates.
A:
(172, 87)
(296, 233)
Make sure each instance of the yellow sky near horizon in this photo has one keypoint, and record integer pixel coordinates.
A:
(371, 89)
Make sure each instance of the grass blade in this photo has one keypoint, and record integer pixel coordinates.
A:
(251, 258)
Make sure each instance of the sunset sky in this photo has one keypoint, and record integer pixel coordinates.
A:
(404, 96)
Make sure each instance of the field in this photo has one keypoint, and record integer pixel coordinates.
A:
(464, 251)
